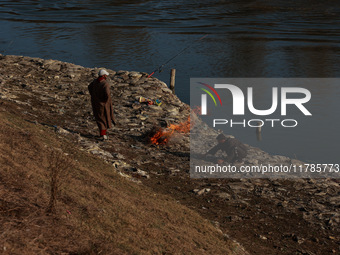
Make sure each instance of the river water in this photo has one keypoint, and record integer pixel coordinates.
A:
(244, 39)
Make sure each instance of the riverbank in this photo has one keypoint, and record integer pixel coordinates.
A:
(266, 216)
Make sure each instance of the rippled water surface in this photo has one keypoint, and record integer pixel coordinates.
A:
(244, 39)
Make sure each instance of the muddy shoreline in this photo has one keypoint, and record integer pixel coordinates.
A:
(267, 216)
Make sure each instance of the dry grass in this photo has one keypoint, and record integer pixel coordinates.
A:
(59, 168)
(95, 211)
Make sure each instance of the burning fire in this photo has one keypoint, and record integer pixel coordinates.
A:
(163, 135)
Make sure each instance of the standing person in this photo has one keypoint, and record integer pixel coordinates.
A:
(235, 150)
(101, 103)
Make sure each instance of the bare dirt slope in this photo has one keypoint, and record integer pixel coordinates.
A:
(96, 212)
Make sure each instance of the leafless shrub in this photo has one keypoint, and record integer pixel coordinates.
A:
(59, 167)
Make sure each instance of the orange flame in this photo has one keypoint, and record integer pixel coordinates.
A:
(163, 135)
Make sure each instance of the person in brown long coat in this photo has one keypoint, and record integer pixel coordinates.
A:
(102, 103)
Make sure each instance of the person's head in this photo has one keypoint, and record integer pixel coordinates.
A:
(103, 73)
(221, 138)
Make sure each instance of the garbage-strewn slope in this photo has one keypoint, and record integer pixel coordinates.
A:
(267, 216)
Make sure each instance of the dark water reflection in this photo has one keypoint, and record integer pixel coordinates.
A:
(245, 39)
